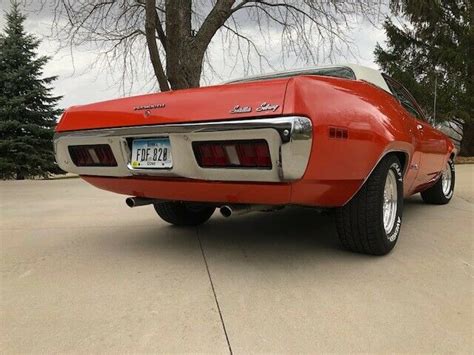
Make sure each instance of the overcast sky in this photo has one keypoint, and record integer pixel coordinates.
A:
(81, 80)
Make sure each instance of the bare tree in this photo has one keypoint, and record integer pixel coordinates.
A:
(174, 35)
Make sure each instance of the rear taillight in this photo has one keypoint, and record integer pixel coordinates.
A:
(233, 154)
(92, 155)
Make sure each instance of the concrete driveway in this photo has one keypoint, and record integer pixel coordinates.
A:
(81, 272)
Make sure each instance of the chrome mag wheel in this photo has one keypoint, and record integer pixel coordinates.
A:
(446, 180)
(442, 191)
(390, 197)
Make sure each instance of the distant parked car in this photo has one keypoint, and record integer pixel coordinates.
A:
(344, 137)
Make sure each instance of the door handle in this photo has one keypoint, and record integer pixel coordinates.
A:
(419, 127)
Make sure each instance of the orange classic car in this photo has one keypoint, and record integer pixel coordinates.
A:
(345, 137)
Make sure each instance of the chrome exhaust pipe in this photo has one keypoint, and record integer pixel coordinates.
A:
(229, 210)
(139, 201)
(226, 211)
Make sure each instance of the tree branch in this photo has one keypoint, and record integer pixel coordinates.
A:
(150, 27)
(159, 30)
(214, 20)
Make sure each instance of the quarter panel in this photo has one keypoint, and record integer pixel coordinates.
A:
(374, 127)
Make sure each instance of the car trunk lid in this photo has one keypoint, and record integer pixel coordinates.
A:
(231, 101)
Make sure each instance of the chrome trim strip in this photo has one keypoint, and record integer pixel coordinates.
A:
(291, 73)
(289, 139)
(278, 123)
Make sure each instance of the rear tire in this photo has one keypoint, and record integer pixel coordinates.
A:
(370, 222)
(184, 213)
(441, 192)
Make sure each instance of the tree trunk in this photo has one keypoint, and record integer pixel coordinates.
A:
(151, 25)
(178, 41)
(185, 48)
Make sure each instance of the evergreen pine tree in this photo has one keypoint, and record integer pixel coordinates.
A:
(434, 48)
(27, 107)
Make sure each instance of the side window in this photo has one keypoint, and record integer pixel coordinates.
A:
(404, 97)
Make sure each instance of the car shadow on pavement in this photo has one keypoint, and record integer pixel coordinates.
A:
(270, 235)
(304, 226)
(292, 231)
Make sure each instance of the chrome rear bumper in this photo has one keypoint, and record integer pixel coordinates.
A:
(289, 140)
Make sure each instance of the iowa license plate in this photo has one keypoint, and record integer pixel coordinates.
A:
(151, 153)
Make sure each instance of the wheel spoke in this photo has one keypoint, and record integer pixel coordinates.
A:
(390, 202)
(446, 179)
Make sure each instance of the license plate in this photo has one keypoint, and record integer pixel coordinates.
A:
(154, 153)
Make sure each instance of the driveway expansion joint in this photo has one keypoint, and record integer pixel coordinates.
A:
(214, 291)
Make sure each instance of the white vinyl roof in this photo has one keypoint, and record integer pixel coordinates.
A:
(368, 74)
(361, 73)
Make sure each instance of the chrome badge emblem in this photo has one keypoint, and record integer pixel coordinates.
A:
(241, 109)
(267, 107)
(148, 107)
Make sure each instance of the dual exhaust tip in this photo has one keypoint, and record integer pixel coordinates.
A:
(139, 201)
(237, 210)
(225, 210)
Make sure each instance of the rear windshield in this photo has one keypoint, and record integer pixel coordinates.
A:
(338, 72)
